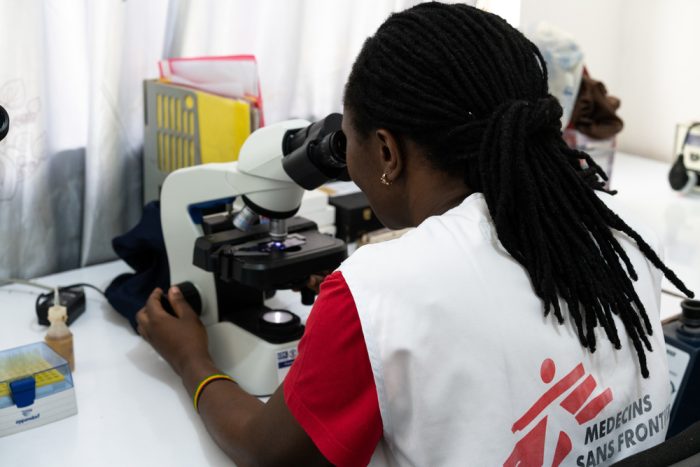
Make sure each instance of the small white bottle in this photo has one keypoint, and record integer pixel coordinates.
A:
(59, 337)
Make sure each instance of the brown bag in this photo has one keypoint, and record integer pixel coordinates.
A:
(594, 112)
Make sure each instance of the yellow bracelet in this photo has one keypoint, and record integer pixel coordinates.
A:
(204, 383)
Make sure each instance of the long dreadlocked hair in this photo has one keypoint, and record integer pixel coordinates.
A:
(472, 91)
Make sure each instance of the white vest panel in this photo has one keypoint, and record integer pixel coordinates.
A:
(470, 372)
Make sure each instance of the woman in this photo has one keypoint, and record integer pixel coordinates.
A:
(518, 323)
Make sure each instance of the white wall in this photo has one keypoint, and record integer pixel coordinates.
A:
(509, 10)
(645, 51)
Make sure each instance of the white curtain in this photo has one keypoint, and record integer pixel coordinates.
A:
(71, 74)
(305, 48)
(70, 79)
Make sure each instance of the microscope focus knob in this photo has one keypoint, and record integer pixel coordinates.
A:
(308, 296)
(191, 295)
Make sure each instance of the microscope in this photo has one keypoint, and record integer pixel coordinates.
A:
(226, 262)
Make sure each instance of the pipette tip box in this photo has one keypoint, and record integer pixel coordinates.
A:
(36, 388)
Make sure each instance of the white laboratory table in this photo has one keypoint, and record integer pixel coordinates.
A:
(646, 195)
(132, 409)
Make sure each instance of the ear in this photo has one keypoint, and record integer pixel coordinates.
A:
(391, 154)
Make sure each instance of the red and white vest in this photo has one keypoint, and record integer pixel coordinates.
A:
(470, 372)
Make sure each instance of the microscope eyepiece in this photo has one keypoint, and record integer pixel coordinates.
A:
(316, 154)
(331, 150)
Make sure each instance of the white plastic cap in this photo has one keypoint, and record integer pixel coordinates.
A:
(57, 312)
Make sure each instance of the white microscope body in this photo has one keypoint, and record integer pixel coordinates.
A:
(258, 366)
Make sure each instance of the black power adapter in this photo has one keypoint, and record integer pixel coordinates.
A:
(72, 297)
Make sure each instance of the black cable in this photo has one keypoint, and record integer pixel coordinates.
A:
(11, 280)
(83, 284)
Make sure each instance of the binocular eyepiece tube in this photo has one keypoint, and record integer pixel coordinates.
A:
(316, 154)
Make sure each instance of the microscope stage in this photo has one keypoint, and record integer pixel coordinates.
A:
(242, 256)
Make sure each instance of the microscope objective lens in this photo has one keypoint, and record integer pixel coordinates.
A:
(245, 219)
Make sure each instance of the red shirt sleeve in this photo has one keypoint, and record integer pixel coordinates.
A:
(330, 388)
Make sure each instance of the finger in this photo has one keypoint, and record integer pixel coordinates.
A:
(153, 305)
(311, 281)
(142, 317)
(315, 282)
(142, 332)
(142, 323)
(155, 295)
(178, 302)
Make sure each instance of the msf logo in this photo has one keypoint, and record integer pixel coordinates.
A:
(529, 450)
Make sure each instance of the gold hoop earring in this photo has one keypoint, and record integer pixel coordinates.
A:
(384, 181)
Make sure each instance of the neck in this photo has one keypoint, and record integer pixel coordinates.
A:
(442, 196)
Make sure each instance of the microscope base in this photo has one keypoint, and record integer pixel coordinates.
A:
(258, 366)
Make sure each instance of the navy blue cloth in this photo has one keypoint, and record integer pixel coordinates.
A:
(142, 248)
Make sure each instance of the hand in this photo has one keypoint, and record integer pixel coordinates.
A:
(314, 281)
(179, 340)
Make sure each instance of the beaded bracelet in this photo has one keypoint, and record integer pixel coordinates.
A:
(204, 383)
